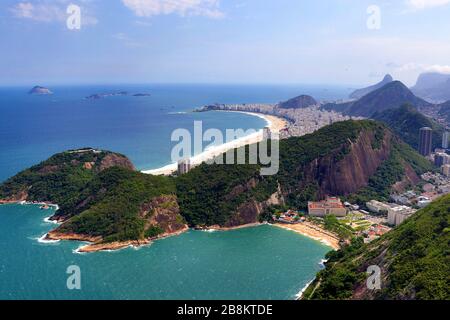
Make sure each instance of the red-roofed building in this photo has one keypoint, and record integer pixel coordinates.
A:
(330, 206)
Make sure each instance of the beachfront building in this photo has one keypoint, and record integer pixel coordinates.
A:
(329, 206)
(184, 166)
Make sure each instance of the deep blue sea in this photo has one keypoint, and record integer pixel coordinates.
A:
(255, 263)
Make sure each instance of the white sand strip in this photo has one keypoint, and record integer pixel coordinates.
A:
(274, 123)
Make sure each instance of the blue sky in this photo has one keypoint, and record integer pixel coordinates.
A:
(222, 41)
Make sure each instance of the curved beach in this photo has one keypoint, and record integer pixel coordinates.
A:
(275, 124)
(308, 230)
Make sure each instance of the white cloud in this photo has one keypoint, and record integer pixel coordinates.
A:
(46, 11)
(148, 8)
(424, 4)
(438, 68)
(419, 67)
(127, 41)
(38, 12)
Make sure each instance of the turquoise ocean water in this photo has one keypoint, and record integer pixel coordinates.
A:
(255, 263)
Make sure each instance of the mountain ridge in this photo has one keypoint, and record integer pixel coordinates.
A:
(390, 96)
(358, 94)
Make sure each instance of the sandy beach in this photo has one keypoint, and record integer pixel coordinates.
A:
(275, 124)
(314, 232)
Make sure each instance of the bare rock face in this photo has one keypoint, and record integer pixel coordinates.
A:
(113, 160)
(353, 172)
(335, 174)
(250, 211)
(410, 178)
(163, 212)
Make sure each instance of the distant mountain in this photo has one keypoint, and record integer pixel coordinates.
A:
(390, 96)
(406, 122)
(300, 102)
(358, 94)
(413, 259)
(38, 90)
(444, 111)
(433, 86)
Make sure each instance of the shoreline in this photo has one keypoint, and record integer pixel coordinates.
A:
(94, 245)
(313, 233)
(276, 124)
(219, 228)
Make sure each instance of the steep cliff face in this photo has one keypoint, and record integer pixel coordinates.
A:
(250, 211)
(352, 173)
(115, 160)
(163, 212)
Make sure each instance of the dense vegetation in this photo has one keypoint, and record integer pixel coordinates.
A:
(331, 223)
(60, 179)
(94, 200)
(210, 194)
(414, 259)
(111, 205)
(406, 122)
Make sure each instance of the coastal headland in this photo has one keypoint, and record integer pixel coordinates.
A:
(95, 244)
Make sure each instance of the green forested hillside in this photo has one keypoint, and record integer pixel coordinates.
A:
(100, 193)
(210, 194)
(61, 178)
(414, 259)
(406, 122)
(111, 203)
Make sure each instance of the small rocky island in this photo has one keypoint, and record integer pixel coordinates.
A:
(98, 96)
(38, 90)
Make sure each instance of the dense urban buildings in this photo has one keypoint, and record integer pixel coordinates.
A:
(426, 141)
(441, 158)
(301, 121)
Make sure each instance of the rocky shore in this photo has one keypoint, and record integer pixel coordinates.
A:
(95, 244)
